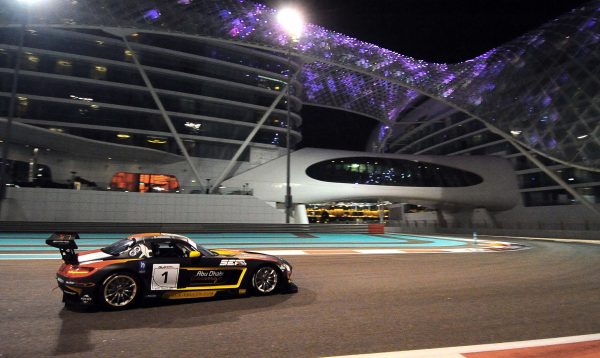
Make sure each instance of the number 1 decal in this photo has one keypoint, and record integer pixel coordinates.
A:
(164, 277)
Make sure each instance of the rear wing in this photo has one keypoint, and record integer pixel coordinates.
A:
(65, 242)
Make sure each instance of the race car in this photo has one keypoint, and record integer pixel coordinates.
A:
(159, 265)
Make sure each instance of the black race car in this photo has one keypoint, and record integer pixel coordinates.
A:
(157, 265)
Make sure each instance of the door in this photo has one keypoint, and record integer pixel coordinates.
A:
(212, 272)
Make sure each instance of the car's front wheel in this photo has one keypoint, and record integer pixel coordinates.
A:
(119, 290)
(265, 280)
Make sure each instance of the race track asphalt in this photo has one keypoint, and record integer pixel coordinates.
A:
(347, 304)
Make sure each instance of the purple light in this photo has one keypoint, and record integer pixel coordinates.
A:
(588, 24)
(449, 78)
(151, 15)
(551, 143)
(331, 84)
(533, 138)
(382, 132)
(447, 92)
(225, 14)
(547, 101)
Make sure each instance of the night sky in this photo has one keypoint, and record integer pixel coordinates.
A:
(445, 31)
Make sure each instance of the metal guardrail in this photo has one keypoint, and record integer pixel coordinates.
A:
(584, 231)
(90, 227)
(533, 225)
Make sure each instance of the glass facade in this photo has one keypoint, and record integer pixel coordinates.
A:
(28, 174)
(463, 135)
(391, 172)
(85, 83)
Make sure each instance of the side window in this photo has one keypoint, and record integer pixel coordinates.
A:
(169, 249)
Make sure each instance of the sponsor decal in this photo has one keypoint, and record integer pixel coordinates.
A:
(232, 262)
(164, 277)
(212, 276)
(86, 299)
(135, 251)
(210, 273)
(142, 267)
(60, 280)
(189, 294)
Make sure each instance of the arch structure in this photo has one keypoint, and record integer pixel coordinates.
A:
(542, 89)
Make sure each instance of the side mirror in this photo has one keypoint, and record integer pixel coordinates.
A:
(195, 254)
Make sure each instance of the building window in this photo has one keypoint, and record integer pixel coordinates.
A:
(390, 172)
(144, 183)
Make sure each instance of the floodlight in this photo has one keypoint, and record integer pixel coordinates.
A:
(292, 21)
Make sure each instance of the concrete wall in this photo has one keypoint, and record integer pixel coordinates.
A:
(565, 221)
(64, 205)
(468, 232)
(101, 170)
(549, 214)
(559, 217)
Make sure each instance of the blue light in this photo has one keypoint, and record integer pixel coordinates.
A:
(151, 15)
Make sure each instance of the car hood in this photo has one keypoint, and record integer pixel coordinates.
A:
(246, 255)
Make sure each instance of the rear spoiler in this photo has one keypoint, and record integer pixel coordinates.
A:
(65, 242)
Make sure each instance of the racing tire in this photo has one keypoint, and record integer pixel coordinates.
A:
(119, 291)
(265, 280)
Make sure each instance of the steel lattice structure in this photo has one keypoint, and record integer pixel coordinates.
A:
(543, 87)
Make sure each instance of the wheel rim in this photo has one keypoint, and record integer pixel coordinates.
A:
(265, 279)
(120, 290)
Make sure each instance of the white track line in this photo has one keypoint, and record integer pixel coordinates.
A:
(458, 351)
(379, 251)
(334, 251)
(282, 252)
(591, 241)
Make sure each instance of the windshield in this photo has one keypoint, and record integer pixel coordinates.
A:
(118, 247)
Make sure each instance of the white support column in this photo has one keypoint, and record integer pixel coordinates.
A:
(381, 209)
(441, 220)
(300, 216)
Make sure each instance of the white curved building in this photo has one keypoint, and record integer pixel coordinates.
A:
(320, 175)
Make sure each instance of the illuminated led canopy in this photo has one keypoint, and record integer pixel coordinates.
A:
(544, 85)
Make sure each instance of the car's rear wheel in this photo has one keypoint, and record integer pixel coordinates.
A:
(119, 291)
(265, 280)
